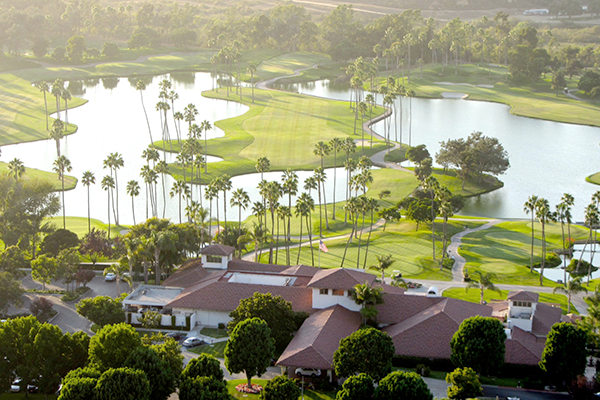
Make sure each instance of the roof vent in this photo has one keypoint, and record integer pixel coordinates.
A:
(433, 292)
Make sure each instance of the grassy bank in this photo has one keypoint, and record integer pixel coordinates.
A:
(308, 394)
(36, 174)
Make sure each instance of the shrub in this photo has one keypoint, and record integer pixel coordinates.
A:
(423, 370)
(464, 384)
(41, 308)
(582, 270)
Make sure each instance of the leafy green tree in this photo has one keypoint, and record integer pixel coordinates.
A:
(368, 351)
(95, 245)
(150, 319)
(250, 348)
(78, 389)
(390, 214)
(111, 345)
(564, 357)
(356, 387)
(123, 384)
(203, 387)
(43, 269)
(12, 260)
(17, 348)
(75, 48)
(464, 384)
(10, 291)
(280, 388)
(400, 385)
(59, 240)
(158, 371)
(274, 310)
(102, 310)
(479, 343)
(203, 365)
(110, 50)
(559, 82)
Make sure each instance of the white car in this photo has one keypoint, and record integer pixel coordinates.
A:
(192, 342)
(110, 277)
(15, 387)
(308, 372)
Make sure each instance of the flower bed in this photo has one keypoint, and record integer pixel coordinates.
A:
(254, 389)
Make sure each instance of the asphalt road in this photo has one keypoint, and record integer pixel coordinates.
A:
(522, 394)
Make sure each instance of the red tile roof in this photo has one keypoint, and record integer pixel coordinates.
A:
(523, 348)
(187, 275)
(217, 250)
(544, 317)
(522, 295)
(340, 278)
(319, 337)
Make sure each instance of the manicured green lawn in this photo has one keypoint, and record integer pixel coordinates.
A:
(213, 332)
(411, 249)
(308, 394)
(472, 295)
(79, 225)
(505, 250)
(214, 350)
(36, 174)
(22, 112)
(595, 178)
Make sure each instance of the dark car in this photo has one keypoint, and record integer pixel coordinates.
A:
(176, 335)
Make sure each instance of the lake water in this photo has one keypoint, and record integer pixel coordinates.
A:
(547, 159)
(558, 273)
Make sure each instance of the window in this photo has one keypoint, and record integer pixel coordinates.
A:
(522, 304)
(213, 259)
(350, 293)
(324, 291)
(338, 292)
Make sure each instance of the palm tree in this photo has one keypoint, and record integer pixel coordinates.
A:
(66, 96)
(162, 168)
(114, 162)
(87, 180)
(444, 196)
(529, 208)
(263, 165)
(178, 117)
(371, 206)
(179, 188)
(16, 169)
(210, 194)
(561, 216)
(569, 200)
(240, 199)
(133, 190)
(257, 235)
(289, 186)
(57, 133)
(304, 206)
(150, 178)
(205, 126)
(544, 215)
(321, 149)
(56, 90)
(141, 86)
(320, 177)
(352, 207)
(335, 144)
(592, 219)
(284, 214)
(158, 242)
(225, 185)
(119, 269)
(485, 282)
(251, 70)
(272, 195)
(383, 263)
(197, 215)
(61, 165)
(108, 183)
(367, 297)
(570, 288)
(431, 184)
(44, 88)
(362, 109)
(189, 114)
(172, 96)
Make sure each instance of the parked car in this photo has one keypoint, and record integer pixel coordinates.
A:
(32, 387)
(193, 342)
(176, 335)
(15, 387)
(308, 372)
(110, 277)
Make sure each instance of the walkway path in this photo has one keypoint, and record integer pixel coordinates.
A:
(268, 82)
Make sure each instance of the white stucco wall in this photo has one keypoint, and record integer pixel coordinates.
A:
(212, 318)
(221, 265)
(321, 301)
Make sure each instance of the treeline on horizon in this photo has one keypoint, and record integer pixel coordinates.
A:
(69, 30)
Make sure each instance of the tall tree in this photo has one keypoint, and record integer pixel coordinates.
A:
(252, 70)
(141, 86)
(529, 208)
(179, 189)
(565, 354)
(479, 343)
(87, 180)
(44, 88)
(367, 297)
(114, 162)
(368, 351)
(289, 186)
(249, 348)
(108, 183)
(545, 216)
(66, 96)
(240, 199)
(205, 126)
(335, 144)
(62, 165)
(570, 288)
(383, 263)
(56, 90)
(133, 190)
(16, 169)
(56, 134)
(569, 200)
(304, 207)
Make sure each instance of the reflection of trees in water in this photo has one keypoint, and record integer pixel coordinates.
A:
(76, 88)
(91, 82)
(110, 82)
(147, 79)
(184, 78)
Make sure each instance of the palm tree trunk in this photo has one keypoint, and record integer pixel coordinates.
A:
(147, 120)
(300, 242)
(532, 240)
(542, 264)
(335, 176)
(325, 202)
(368, 240)
(133, 210)
(309, 228)
(89, 218)
(347, 243)
(63, 201)
(46, 108)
